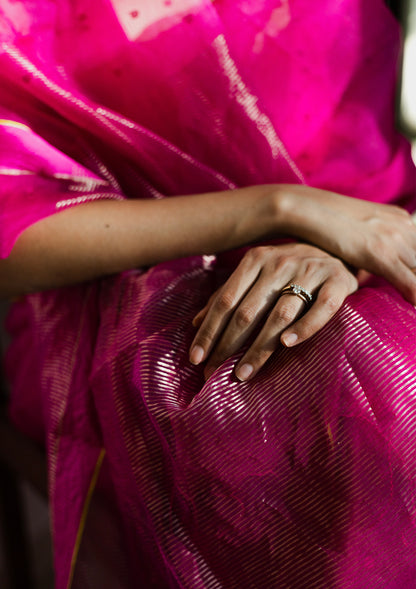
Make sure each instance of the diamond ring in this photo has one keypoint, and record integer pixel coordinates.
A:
(298, 291)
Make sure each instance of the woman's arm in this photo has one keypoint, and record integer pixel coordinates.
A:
(378, 238)
(105, 237)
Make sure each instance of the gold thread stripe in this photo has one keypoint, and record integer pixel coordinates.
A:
(80, 179)
(87, 198)
(84, 515)
(15, 124)
(15, 172)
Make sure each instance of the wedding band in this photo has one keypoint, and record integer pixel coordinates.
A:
(298, 291)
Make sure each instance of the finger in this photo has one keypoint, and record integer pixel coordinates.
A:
(403, 278)
(223, 305)
(340, 281)
(407, 251)
(286, 311)
(200, 316)
(251, 311)
(256, 305)
(198, 319)
(408, 257)
(328, 301)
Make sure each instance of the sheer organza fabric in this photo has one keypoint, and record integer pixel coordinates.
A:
(304, 477)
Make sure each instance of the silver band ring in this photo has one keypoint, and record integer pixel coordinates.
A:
(298, 291)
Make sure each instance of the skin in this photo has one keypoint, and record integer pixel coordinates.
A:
(106, 237)
(380, 239)
(252, 297)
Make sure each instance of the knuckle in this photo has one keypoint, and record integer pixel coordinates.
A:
(331, 302)
(257, 356)
(378, 244)
(352, 282)
(380, 252)
(339, 271)
(338, 264)
(204, 338)
(310, 267)
(286, 265)
(285, 314)
(205, 335)
(224, 301)
(244, 317)
(257, 253)
(396, 235)
(305, 330)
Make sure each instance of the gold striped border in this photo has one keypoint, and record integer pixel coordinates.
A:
(84, 515)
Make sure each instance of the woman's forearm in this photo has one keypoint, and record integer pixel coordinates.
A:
(101, 238)
(106, 237)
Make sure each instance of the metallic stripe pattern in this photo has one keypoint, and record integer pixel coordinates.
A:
(280, 482)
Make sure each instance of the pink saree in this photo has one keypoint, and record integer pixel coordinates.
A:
(305, 477)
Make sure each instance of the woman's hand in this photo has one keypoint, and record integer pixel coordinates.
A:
(252, 299)
(375, 237)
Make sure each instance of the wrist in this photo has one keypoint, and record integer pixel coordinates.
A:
(285, 210)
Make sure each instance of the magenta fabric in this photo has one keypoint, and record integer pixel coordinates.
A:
(304, 477)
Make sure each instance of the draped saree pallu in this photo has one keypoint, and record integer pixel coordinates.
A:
(303, 477)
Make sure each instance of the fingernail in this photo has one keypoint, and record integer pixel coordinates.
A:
(197, 354)
(244, 371)
(289, 339)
